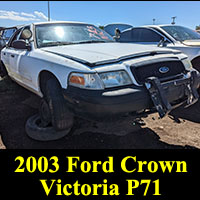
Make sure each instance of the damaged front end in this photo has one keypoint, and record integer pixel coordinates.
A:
(156, 89)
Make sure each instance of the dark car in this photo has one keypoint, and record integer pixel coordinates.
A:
(6, 34)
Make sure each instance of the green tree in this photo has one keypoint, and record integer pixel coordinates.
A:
(101, 27)
(198, 27)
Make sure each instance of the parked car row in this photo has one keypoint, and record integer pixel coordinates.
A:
(79, 70)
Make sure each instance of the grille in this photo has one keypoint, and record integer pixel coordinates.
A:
(141, 73)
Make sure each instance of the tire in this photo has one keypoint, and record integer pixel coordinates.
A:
(44, 113)
(196, 64)
(3, 71)
(61, 117)
(38, 133)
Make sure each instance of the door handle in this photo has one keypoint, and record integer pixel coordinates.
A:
(4, 54)
(12, 56)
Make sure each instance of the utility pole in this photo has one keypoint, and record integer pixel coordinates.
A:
(48, 11)
(173, 20)
(154, 21)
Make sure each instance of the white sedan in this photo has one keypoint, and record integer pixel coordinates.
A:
(78, 70)
(169, 36)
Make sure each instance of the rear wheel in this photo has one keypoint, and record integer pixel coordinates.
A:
(53, 107)
(3, 71)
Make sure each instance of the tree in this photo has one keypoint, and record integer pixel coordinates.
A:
(101, 27)
(198, 27)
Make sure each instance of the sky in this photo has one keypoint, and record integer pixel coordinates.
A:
(136, 13)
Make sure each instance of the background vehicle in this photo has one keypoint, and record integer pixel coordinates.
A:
(6, 34)
(79, 70)
(170, 36)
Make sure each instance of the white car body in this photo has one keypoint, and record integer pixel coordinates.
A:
(190, 47)
(25, 67)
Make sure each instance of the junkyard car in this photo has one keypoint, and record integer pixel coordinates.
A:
(79, 70)
(170, 36)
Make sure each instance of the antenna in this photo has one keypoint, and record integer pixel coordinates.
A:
(48, 11)
(173, 20)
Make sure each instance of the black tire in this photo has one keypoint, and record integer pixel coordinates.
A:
(61, 117)
(196, 65)
(3, 71)
(38, 133)
(44, 113)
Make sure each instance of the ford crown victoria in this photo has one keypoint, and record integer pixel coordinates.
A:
(79, 70)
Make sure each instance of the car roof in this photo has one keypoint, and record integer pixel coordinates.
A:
(11, 27)
(160, 26)
(40, 23)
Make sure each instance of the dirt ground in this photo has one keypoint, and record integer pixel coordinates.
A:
(179, 130)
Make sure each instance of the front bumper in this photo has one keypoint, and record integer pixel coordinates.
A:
(113, 102)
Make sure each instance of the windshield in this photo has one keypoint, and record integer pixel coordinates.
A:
(181, 33)
(65, 34)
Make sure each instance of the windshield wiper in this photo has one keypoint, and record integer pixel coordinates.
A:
(93, 41)
(56, 44)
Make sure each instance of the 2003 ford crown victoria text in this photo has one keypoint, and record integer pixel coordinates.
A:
(79, 70)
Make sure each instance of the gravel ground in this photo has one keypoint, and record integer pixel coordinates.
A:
(181, 129)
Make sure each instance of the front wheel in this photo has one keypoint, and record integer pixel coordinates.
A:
(54, 107)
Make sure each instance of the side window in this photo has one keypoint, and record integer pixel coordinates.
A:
(140, 35)
(8, 33)
(149, 36)
(136, 35)
(18, 36)
(15, 37)
(126, 36)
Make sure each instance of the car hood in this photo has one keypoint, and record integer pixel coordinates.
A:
(191, 42)
(104, 53)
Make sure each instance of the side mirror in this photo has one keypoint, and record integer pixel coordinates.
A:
(21, 44)
(117, 35)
